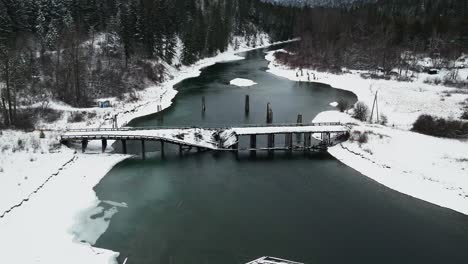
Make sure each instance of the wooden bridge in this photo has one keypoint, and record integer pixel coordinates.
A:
(297, 137)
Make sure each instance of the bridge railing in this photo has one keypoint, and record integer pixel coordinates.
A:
(212, 128)
(146, 137)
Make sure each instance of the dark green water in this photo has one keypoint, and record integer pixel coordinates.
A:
(216, 208)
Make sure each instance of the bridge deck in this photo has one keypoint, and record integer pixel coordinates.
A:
(201, 137)
(190, 137)
(264, 130)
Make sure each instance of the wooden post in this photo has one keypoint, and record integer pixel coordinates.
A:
(84, 145)
(124, 146)
(143, 150)
(104, 145)
(203, 104)
(299, 119)
(269, 118)
(247, 104)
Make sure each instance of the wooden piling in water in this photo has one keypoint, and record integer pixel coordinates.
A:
(269, 118)
(124, 146)
(247, 104)
(299, 119)
(203, 104)
(143, 150)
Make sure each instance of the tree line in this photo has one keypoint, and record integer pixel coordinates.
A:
(78, 50)
(385, 34)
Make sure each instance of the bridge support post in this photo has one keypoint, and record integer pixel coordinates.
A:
(299, 122)
(253, 144)
(104, 145)
(124, 146)
(289, 141)
(143, 149)
(236, 146)
(162, 148)
(307, 141)
(84, 145)
(271, 142)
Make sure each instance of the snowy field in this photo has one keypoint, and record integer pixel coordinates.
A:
(429, 168)
(46, 188)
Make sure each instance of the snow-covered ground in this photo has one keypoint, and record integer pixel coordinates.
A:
(41, 229)
(401, 102)
(429, 168)
(50, 188)
(242, 82)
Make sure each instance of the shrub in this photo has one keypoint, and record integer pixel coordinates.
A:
(343, 105)
(440, 127)
(50, 115)
(25, 120)
(361, 111)
(363, 138)
(20, 144)
(465, 115)
(383, 120)
(76, 117)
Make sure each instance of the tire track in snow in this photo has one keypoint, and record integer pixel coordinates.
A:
(52, 176)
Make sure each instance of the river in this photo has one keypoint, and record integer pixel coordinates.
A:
(220, 208)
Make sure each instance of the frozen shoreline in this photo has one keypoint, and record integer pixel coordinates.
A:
(67, 190)
(428, 168)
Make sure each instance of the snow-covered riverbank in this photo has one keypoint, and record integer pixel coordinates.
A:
(44, 189)
(428, 168)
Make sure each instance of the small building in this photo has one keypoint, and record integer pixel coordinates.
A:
(104, 104)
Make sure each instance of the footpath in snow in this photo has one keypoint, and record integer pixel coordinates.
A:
(429, 168)
(45, 187)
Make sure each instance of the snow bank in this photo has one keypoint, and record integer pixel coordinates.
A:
(401, 102)
(36, 232)
(242, 82)
(26, 163)
(428, 168)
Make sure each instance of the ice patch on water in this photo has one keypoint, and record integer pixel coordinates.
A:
(242, 82)
(92, 223)
(116, 204)
(334, 104)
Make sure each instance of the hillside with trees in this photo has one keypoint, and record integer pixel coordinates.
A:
(77, 51)
(384, 35)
